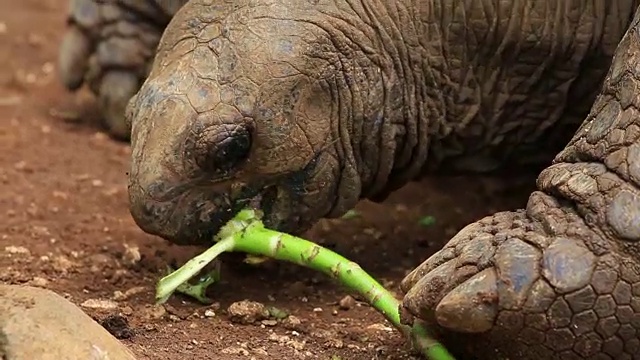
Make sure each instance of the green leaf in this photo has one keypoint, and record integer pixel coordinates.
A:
(351, 214)
(276, 313)
(427, 221)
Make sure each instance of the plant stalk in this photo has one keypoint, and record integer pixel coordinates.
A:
(246, 233)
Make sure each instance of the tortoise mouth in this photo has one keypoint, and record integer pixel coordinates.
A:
(188, 215)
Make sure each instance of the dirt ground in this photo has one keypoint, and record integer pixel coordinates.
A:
(65, 226)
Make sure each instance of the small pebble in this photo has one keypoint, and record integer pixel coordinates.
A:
(234, 350)
(119, 295)
(21, 166)
(127, 310)
(17, 250)
(62, 264)
(131, 255)
(247, 312)
(293, 323)
(379, 327)
(99, 304)
(48, 68)
(347, 302)
(39, 282)
(154, 312)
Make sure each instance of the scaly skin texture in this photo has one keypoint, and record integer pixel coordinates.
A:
(306, 107)
(110, 45)
(560, 279)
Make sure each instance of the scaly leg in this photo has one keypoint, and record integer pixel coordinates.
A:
(109, 45)
(560, 279)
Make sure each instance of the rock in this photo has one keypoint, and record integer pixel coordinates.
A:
(120, 296)
(39, 324)
(235, 350)
(247, 312)
(153, 312)
(62, 264)
(269, 322)
(347, 302)
(101, 304)
(294, 323)
(379, 327)
(131, 255)
(17, 250)
(38, 282)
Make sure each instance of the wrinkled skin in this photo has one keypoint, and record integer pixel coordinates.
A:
(306, 107)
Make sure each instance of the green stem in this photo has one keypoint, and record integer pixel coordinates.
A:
(246, 233)
(168, 284)
(258, 240)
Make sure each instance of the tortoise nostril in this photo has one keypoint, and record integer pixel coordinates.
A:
(223, 147)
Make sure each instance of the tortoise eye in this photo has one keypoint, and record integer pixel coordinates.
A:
(222, 148)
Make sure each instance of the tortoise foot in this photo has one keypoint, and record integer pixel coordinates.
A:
(531, 284)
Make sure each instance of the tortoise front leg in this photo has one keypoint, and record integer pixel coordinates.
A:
(560, 279)
(110, 45)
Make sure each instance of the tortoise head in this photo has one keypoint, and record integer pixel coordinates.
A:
(236, 112)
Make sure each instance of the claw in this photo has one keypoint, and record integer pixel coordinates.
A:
(466, 291)
(428, 290)
(472, 306)
(73, 58)
(477, 252)
(433, 262)
(116, 89)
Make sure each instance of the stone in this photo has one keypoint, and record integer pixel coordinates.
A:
(36, 323)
